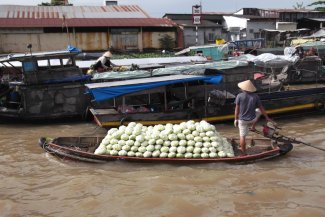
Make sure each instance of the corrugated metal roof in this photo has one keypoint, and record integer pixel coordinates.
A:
(316, 19)
(13, 16)
(292, 10)
(257, 17)
(218, 13)
(205, 15)
(204, 23)
(70, 12)
(93, 22)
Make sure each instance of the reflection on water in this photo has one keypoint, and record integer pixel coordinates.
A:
(34, 183)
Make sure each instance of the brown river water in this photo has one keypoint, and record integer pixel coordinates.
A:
(35, 183)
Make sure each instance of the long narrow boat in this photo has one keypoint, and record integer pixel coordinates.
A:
(178, 98)
(82, 149)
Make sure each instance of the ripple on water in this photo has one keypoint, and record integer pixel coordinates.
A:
(35, 183)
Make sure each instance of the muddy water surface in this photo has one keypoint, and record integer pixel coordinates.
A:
(34, 183)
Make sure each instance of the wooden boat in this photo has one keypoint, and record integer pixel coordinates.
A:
(178, 98)
(82, 149)
(309, 69)
(49, 85)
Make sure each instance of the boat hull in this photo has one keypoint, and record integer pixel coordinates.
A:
(82, 149)
(275, 103)
(48, 101)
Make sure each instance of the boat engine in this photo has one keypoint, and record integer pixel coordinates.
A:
(270, 130)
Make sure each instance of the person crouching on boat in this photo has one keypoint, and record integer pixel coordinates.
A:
(248, 110)
(103, 63)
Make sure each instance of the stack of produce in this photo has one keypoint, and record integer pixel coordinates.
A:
(186, 140)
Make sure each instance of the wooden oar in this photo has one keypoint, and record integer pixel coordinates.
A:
(307, 144)
(278, 137)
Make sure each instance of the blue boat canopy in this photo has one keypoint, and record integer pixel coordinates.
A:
(109, 90)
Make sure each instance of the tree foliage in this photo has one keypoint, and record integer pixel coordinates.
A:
(299, 6)
(55, 3)
(167, 42)
(318, 5)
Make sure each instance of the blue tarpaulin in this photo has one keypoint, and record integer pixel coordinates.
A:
(73, 49)
(105, 93)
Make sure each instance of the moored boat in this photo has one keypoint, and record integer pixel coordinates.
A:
(177, 98)
(83, 148)
(42, 85)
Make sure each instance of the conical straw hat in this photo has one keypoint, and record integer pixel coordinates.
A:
(107, 54)
(247, 86)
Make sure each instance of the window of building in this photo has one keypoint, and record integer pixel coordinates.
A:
(211, 37)
(251, 31)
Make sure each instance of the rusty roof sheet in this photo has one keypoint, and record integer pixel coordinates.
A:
(14, 16)
(70, 12)
(91, 22)
(204, 23)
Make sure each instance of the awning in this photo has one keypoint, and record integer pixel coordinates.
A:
(102, 92)
(22, 56)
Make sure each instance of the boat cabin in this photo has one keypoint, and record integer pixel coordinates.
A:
(38, 68)
(41, 85)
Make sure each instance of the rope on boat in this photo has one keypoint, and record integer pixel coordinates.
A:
(85, 114)
(43, 142)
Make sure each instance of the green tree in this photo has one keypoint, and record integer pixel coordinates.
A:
(299, 6)
(319, 5)
(167, 42)
(56, 3)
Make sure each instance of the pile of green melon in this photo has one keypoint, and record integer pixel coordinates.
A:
(185, 140)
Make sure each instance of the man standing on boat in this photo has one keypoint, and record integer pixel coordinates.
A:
(248, 110)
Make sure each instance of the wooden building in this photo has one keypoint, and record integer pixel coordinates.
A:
(189, 34)
(90, 28)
